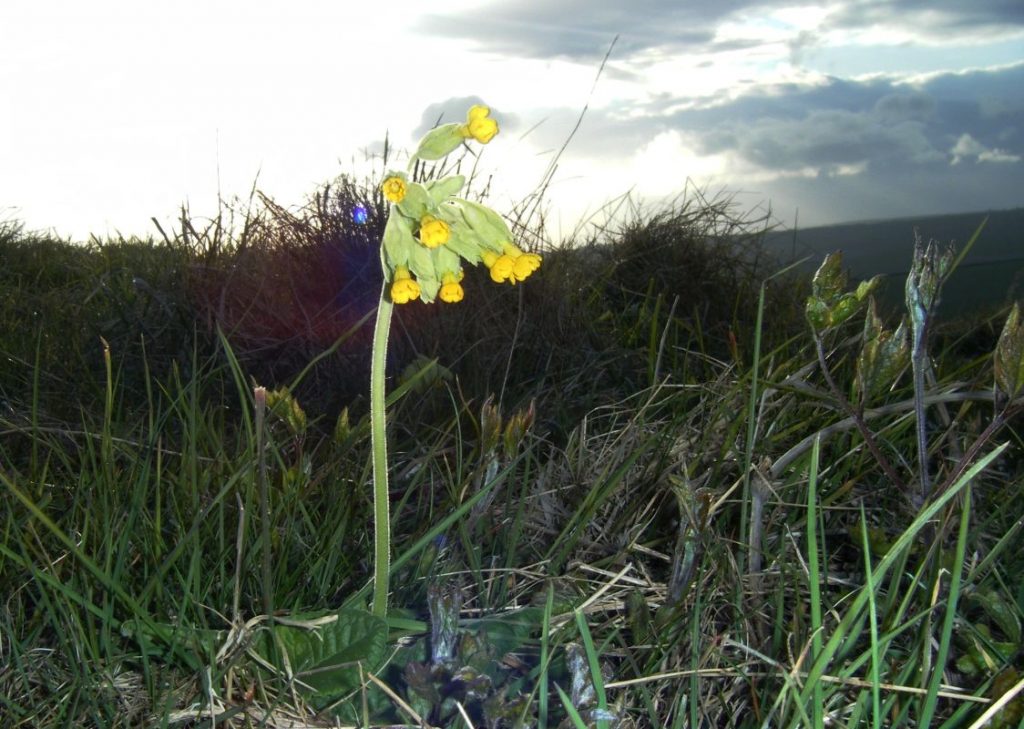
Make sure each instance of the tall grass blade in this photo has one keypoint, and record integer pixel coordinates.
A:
(814, 583)
(945, 639)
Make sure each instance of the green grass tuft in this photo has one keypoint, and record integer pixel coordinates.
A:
(635, 492)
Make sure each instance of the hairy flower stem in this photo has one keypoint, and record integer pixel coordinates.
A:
(917, 362)
(857, 416)
(378, 439)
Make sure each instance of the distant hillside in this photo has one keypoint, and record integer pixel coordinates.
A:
(991, 275)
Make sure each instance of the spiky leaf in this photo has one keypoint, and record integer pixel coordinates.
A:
(830, 279)
(1009, 355)
(883, 355)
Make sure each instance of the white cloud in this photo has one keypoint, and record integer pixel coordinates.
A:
(968, 148)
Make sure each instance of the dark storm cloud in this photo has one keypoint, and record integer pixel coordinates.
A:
(850, 150)
(845, 149)
(877, 123)
(928, 189)
(931, 16)
(583, 29)
(791, 127)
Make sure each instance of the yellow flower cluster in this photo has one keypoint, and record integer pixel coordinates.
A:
(430, 232)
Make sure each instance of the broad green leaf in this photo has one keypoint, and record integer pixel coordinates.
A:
(423, 373)
(326, 659)
(1000, 611)
(829, 304)
(843, 309)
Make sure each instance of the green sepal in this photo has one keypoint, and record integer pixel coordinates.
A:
(428, 289)
(485, 223)
(397, 242)
(445, 260)
(400, 174)
(463, 243)
(421, 263)
(440, 142)
(417, 201)
(462, 239)
(441, 190)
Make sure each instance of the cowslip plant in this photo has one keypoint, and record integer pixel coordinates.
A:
(430, 235)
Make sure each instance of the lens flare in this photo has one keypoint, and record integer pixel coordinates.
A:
(360, 214)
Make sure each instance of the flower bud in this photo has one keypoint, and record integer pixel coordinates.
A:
(394, 188)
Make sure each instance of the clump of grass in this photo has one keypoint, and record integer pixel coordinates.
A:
(61, 301)
(685, 529)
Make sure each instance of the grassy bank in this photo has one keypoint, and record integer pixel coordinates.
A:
(639, 491)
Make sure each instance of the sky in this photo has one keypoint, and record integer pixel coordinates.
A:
(116, 112)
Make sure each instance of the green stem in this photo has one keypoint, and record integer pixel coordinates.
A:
(378, 438)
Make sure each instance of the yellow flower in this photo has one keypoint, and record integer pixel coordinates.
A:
(394, 189)
(513, 265)
(524, 265)
(479, 125)
(433, 232)
(403, 288)
(451, 290)
(503, 269)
